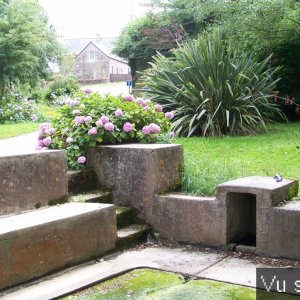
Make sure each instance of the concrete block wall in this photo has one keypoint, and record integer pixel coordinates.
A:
(135, 173)
(30, 181)
(139, 175)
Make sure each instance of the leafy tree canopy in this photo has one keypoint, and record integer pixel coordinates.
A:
(27, 42)
(252, 26)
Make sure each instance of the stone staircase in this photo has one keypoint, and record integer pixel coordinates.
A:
(129, 230)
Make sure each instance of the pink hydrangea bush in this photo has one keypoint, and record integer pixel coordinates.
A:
(93, 119)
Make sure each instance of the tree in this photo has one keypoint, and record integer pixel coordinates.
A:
(27, 43)
(143, 38)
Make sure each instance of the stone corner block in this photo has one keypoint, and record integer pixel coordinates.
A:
(32, 180)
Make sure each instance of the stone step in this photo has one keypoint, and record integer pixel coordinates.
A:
(132, 235)
(35, 243)
(96, 196)
(125, 216)
(82, 181)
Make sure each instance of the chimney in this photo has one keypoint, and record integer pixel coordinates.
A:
(98, 38)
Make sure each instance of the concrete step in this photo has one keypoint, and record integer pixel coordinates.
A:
(35, 243)
(132, 235)
(96, 196)
(82, 181)
(125, 216)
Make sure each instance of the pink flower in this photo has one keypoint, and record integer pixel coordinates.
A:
(146, 130)
(76, 112)
(81, 160)
(92, 131)
(146, 107)
(127, 127)
(88, 119)
(34, 118)
(172, 134)
(99, 123)
(104, 120)
(154, 128)
(141, 102)
(169, 115)
(45, 126)
(79, 120)
(70, 102)
(50, 131)
(87, 91)
(40, 143)
(69, 140)
(47, 141)
(118, 113)
(109, 126)
(128, 97)
(158, 108)
(38, 147)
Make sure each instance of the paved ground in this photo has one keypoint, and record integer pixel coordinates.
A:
(194, 263)
(21, 144)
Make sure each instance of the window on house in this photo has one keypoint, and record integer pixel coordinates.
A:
(121, 71)
(117, 70)
(112, 69)
(92, 55)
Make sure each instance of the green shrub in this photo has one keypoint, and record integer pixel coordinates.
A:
(212, 89)
(58, 89)
(17, 108)
(94, 119)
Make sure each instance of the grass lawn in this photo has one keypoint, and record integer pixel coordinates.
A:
(210, 161)
(10, 129)
(13, 129)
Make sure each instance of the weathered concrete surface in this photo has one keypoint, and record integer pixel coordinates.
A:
(189, 219)
(178, 260)
(268, 194)
(82, 181)
(32, 180)
(136, 172)
(35, 243)
(233, 270)
(283, 232)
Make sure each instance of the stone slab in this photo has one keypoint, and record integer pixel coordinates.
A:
(190, 219)
(283, 232)
(35, 243)
(179, 260)
(136, 172)
(233, 270)
(32, 180)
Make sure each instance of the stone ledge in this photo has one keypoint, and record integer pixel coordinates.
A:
(36, 243)
(29, 181)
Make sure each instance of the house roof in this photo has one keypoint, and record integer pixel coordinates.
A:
(105, 45)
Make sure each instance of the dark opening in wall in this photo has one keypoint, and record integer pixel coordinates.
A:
(241, 218)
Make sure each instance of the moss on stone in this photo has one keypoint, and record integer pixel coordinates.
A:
(292, 191)
(146, 284)
(61, 200)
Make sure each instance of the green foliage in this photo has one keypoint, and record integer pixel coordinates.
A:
(257, 27)
(16, 108)
(142, 38)
(212, 89)
(81, 124)
(27, 43)
(58, 89)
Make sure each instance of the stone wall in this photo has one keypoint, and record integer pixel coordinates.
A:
(29, 181)
(135, 173)
(87, 70)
